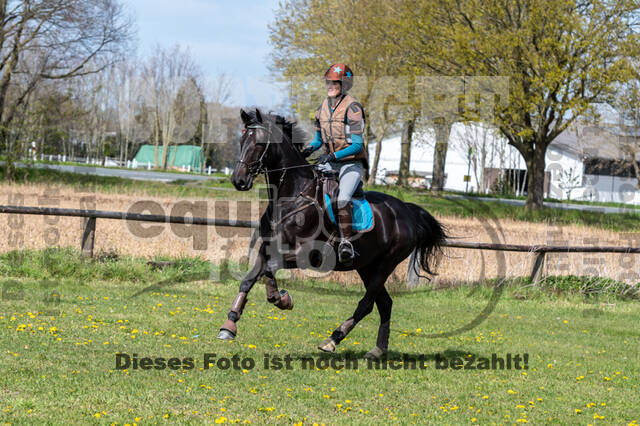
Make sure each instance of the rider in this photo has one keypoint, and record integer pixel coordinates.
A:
(339, 127)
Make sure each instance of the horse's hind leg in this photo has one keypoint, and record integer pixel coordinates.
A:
(384, 304)
(374, 279)
(229, 329)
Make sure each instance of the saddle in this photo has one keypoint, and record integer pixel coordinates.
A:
(362, 213)
(331, 186)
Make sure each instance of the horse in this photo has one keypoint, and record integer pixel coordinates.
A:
(296, 232)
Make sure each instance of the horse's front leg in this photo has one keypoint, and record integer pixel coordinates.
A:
(229, 329)
(282, 299)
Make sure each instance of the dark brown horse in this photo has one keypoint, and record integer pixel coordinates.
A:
(295, 230)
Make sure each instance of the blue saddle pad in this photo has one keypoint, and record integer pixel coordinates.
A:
(362, 213)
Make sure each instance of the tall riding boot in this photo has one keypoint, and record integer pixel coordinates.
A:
(346, 253)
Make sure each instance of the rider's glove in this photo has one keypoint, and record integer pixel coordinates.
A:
(325, 158)
(307, 151)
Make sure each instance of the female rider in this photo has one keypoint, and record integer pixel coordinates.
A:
(339, 126)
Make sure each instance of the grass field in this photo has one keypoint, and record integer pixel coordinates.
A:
(63, 319)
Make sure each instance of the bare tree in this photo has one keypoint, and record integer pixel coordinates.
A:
(476, 140)
(170, 89)
(132, 114)
(52, 40)
(216, 132)
(94, 97)
(569, 180)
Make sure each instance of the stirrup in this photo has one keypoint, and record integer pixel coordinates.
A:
(346, 253)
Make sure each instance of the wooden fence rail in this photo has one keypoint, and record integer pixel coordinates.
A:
(88, 235)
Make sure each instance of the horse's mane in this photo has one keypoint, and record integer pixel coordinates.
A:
(296, 135)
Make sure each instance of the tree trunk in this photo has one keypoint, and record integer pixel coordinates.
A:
(405, 152)
(636, 169)
(376, 159)
(535, 169)
(443, 129)
(156, 134)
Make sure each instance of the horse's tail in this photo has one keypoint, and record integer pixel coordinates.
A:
(431, 235)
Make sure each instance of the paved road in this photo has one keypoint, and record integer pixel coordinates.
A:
(564, 206)
(126, 173)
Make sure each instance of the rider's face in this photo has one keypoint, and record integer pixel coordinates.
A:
(333, 88)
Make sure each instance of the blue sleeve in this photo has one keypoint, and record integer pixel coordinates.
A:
(317, 141)
(354, 148)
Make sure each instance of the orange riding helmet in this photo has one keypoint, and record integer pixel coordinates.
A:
(341, 73)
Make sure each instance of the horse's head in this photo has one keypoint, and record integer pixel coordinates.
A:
(254, 146)
(261, 147)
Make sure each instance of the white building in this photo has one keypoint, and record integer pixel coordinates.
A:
(580, 162)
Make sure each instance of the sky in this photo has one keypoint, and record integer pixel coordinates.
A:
(228, 37)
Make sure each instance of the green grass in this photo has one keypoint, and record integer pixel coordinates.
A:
(61, 369)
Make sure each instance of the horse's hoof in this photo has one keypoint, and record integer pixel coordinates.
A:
(286, 301)
(226, 334)
(328, 345)
(375, 353)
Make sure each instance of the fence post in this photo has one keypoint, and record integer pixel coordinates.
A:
(412, 277)
(536, 271)
(88, 236)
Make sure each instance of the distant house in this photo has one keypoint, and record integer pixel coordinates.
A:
(583, 163)
(458, 163)
(605, 171)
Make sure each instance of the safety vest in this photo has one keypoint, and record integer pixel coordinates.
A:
(334, 128)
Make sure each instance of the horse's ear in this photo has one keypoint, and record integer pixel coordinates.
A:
(244, 116)
(258, 115)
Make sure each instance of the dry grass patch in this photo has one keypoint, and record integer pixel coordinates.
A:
(37, 232)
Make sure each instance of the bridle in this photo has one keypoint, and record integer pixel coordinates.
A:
(256, 167)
